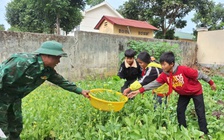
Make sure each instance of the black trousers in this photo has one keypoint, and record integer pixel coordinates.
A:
(199, 105)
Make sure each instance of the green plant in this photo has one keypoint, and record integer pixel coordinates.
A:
(108, 96)
(155, 49)
(51, 113)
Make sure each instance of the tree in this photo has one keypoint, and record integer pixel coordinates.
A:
(94, 2)
(163, 14)
(44, 16)
(2, 27)
(14, 29)
(210, 16)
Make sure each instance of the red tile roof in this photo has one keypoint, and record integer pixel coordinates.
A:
(125, 22)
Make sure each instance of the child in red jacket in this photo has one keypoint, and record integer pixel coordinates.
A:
(184, 80)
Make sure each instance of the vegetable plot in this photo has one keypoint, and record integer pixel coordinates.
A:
(51, 113)
(108, 96)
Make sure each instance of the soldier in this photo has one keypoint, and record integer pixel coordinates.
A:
(21, 74)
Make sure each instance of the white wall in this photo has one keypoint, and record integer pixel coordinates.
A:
(93, 15)
(211, 47)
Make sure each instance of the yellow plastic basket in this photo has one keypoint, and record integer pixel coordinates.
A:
(107, 105)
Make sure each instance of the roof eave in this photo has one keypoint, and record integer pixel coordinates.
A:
(106, 4)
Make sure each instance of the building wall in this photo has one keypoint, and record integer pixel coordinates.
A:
(211, 48)
(124, 30)
(137, 32)
(106, 27)
(89, 54)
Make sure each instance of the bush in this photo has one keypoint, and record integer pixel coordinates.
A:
(155, 49)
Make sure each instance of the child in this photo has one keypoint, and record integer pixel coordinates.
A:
(184, 80)
(150, 71)
(129, 69)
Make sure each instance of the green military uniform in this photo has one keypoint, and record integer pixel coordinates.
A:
(19, 75)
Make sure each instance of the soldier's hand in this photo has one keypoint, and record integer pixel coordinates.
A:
(85, 93)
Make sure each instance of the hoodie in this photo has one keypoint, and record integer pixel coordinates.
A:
(184, 81)
(152, 71)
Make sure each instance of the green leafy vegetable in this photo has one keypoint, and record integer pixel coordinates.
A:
(108, 96)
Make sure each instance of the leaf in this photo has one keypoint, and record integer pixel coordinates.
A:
(128, 121)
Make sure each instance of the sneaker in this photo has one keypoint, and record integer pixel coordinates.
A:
(209, 137)
(202, 137)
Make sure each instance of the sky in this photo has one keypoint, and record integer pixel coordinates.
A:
(115, 4)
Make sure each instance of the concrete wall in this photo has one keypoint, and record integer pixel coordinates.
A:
(211, 48)
(89, 54)
(189, 52)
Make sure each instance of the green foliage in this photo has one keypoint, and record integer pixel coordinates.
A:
(50, 112)
(163, 14)
(107, 96)
(44, 16)
(169, 14)
(94, 2)
(14, 29)
(155, 49)
(2, 27)
(169, 34)
(210, 16)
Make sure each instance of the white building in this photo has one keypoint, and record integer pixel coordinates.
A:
(93, 15)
